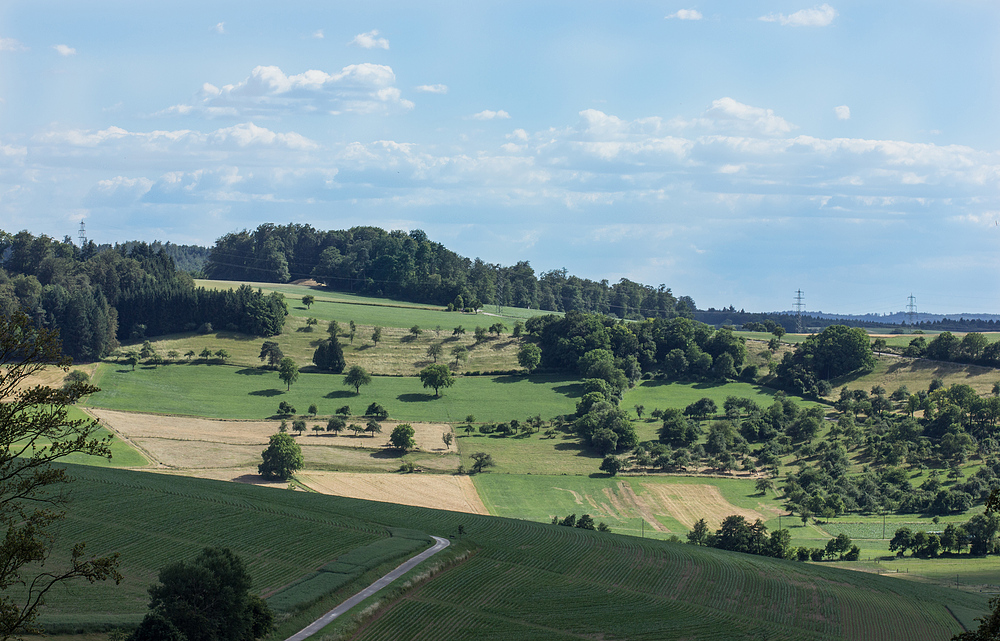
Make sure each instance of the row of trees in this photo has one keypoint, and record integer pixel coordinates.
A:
(736, 534)
(974, 348)
(979, 534)
(409, 266)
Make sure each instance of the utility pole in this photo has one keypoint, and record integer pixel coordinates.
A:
(911, 310)
(798, 310)
(501, 286)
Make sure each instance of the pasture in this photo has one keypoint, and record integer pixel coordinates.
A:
(220, 391)
(505, 578)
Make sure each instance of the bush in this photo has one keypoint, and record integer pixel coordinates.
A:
(205, 328)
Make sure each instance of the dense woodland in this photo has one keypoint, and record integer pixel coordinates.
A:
(409, 266)
(97, 298)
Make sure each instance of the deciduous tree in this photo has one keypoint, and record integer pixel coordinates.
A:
(356, 377)
(281, 458)
(35, 431)
(288, 372)
(436, 376)
(402, 437)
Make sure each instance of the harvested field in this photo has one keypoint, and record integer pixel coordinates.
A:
(438, 491)
(688, 503)
(188, 443)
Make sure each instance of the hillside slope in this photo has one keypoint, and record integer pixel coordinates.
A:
(523, 580)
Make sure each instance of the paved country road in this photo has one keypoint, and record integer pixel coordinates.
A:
(406, 566)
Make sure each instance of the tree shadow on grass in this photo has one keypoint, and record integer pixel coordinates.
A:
(341, 394)
(388, 453)
(574, 390)
(266, 392)
(124, 371)
(417, 398)
(253, 371)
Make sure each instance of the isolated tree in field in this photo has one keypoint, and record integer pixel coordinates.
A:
(461, 353)
(189, 354)
(447, 437)
(271, 353)
(299, 426)
(333, 329)
(778, 332)
(481, 461)
(436, 376)
(288, 372)
(480, 334)
(354, 330)
(701, 409)
(222, 354)
(35, 431)
(373, 427)
(147, 350)
(285, 409)
(699, 533)
(639, 409)
(356, 377)
(208, 599)
(376, 336)
(336, 424)
(281, 458)
(401, 437)
(308, 300)
(376, 410)
(357, 429)
(415, 331)
(329, 356)
(497, 328)
(313, 410)
(458, 331)
(132, 358)
(518, 329)
(173, 354)
(344, 410)
(612, 465)
(311, 323)
(764, 485)
(434, 350)
(879, 345)
(205, 354)
(529, 356)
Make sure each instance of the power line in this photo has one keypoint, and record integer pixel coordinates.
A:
(798, 312)
(911, 310)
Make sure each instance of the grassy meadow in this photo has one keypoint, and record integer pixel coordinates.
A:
(220, 391)
(502, 579)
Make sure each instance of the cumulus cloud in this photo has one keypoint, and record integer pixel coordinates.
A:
(359, 88)
(370, 40)
(488, 114)
(686, 14)
(65, 50)
(819, 16)
(220, 28)
(843, 112)
(743, 116)
(432, 88)
(318, 34)
(117, 192)
(10, 44)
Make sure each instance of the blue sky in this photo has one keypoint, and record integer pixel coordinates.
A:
(734, 151)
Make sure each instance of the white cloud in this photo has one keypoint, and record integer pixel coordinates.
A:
(10, 44)
(219, 28)
(820, 16)
(318, 34)
(488, 114)
(65, 50)
(370, 40)
(432, 88)
(745, 116)
(117, 192)
(843, 112)
(686, 14)
(360, 88)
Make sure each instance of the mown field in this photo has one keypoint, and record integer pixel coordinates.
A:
(218, 391)
(507, 579)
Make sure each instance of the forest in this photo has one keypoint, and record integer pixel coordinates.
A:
(96, 298)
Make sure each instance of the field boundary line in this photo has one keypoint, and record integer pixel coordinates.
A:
(325, 620)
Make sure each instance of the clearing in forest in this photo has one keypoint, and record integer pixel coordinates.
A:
(688, 503)
(438, 491)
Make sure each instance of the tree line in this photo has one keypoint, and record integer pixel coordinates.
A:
(97, 297)
(409, 266)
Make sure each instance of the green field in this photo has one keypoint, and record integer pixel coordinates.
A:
(365, 310)
(519, 580)
(218, 391)
(122, 454)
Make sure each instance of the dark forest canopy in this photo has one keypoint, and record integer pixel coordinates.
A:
(96, 298)
(409, 266)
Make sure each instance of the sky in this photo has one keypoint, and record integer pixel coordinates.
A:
(736, 152)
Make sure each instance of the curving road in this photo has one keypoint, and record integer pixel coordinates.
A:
(406, 566)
